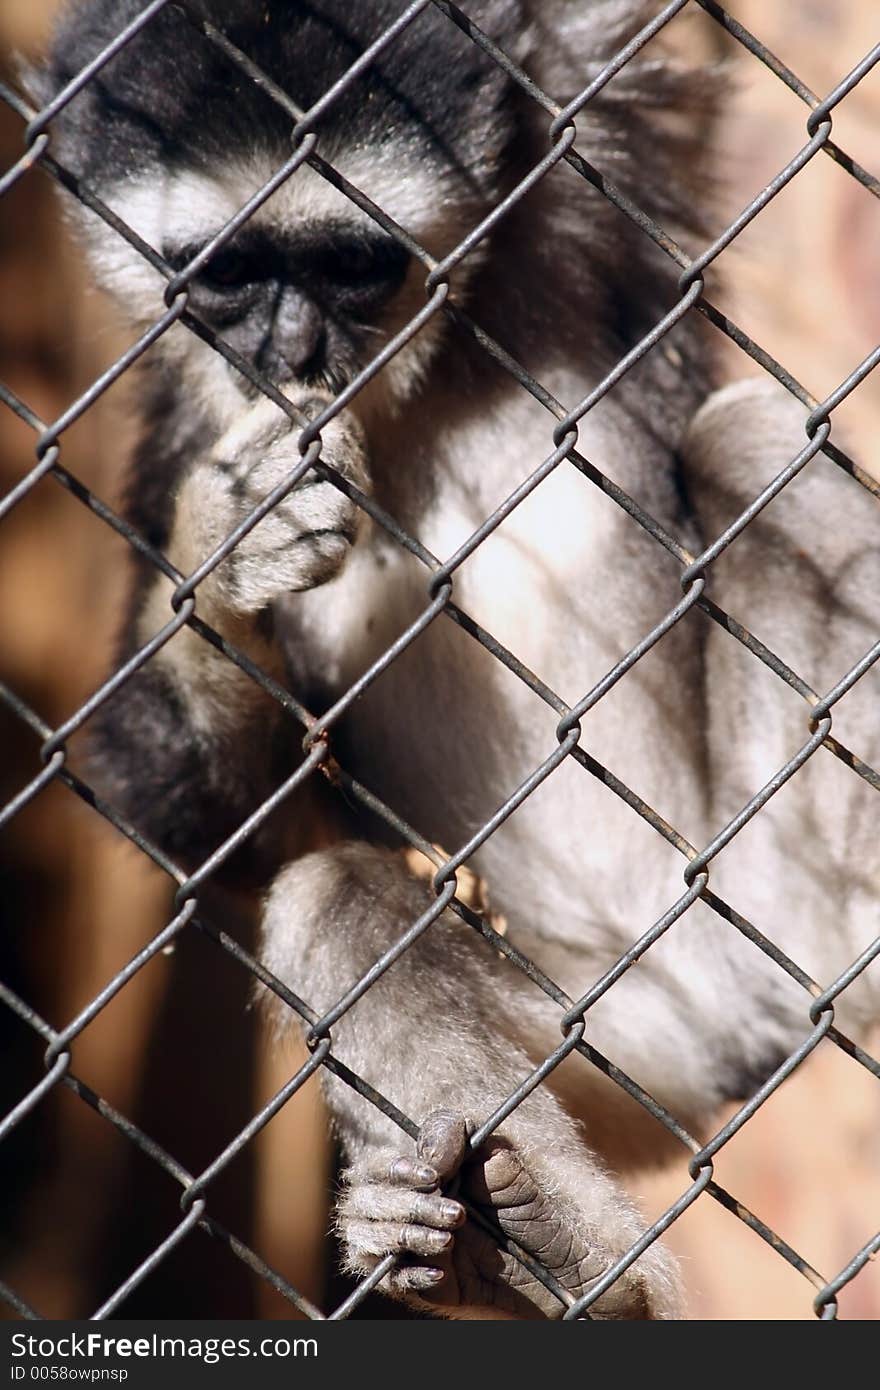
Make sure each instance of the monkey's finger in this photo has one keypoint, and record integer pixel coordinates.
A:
(391, 1238)
(413, 1278)
(407, 1172)
(378, 1202)
(443, 1142)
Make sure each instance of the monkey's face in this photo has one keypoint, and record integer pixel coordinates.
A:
(176, 138)
(301, 299)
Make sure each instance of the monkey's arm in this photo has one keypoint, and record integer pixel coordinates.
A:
(191, 744)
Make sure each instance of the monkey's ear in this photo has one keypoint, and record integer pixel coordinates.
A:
(42, 78)
(489, 120)
(507, 23)
(36, 81)
(39, 82)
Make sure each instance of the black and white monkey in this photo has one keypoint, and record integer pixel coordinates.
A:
(175, 138)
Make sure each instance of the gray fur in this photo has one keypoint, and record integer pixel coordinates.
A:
(568, 583)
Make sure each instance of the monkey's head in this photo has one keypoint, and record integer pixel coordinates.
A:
(175, 137)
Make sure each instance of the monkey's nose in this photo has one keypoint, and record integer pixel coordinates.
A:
(298, 337)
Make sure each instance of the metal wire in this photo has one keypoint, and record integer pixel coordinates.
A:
(191, 914)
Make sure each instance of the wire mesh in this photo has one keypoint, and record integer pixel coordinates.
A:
(191, 907)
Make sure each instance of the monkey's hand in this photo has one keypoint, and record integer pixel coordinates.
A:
(448, 1263)
(302, 541)
(305, 538)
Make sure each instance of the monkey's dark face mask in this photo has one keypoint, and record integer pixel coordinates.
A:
(303, 295)
(304, 306)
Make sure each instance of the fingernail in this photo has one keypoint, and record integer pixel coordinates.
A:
(452, 1211)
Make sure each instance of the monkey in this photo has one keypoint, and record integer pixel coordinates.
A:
(306, 292)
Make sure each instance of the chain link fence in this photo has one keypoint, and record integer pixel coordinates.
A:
(191, 915)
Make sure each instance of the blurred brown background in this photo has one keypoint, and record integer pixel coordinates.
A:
(83, 1207)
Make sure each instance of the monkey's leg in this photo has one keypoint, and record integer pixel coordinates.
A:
(804, 577)
(445, 1028)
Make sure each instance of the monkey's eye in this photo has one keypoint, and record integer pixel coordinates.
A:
(229, 269)
(359, 273)
(353, 262)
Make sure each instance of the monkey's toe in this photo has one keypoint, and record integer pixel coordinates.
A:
(443, 1142)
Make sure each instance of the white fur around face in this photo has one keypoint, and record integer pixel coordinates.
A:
(184, 208)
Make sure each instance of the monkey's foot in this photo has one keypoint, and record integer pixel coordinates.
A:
(449, 1264)
(394, 1206)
